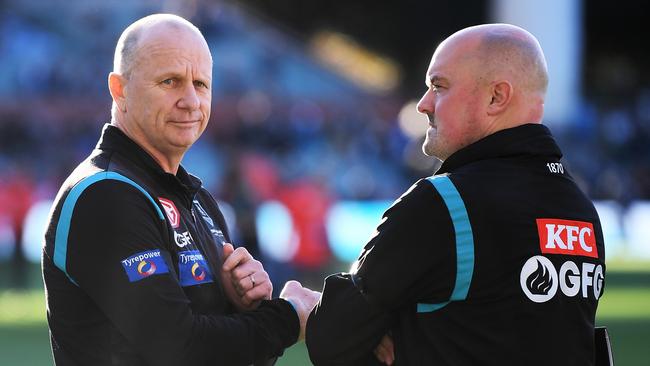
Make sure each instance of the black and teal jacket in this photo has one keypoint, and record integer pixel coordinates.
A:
(131, 266)
(497, 259)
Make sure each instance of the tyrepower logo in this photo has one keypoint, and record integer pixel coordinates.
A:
(567, 237)
(171, 211)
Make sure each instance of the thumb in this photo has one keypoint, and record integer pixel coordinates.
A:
(291, 289)
(293, 285)
(227, 250)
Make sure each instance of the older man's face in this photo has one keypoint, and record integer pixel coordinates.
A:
(168, 94)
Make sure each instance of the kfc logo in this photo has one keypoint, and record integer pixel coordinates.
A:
(171, 211)
(567, 237)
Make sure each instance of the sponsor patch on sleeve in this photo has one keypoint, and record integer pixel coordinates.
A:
(567, 237)
(144, 264)
(193, 269)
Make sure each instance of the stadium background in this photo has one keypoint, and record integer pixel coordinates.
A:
(313, 130)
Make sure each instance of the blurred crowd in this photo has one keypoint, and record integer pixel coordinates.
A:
(283, 127)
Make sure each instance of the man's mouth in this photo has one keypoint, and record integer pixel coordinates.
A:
(432, 121)
(185, 121)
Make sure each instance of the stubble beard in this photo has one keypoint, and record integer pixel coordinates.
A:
(428, 146)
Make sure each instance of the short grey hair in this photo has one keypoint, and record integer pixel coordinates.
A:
(125, 51)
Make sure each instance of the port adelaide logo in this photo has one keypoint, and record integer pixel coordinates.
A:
(540, 280)
(171, 211)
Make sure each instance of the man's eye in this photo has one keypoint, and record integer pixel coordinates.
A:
(436, 88)
(168, 82)
(200, 84)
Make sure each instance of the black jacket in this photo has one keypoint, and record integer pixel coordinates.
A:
(131, 266)
(498, 259)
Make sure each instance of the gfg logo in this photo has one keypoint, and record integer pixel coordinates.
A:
(540, 281)
(183, 239)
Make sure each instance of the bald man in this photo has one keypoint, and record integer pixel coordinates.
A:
(498, 258)
(137, 265)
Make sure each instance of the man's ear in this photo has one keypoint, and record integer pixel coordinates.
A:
(117, 87)
(501, 93)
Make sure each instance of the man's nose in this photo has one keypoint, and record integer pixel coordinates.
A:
(426, 103)
(190, 99)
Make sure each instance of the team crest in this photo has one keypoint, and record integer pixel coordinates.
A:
(171, 211)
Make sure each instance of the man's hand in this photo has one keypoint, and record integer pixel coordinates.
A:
(385, 350)
(244, 278)
(303, 300)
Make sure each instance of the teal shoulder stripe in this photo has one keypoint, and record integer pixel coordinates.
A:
(464, 241)
(63, 227)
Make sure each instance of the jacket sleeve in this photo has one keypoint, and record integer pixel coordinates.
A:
(112, 225)
(410, 259)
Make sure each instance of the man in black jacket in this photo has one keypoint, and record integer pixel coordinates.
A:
(137, 265)
(497, 259)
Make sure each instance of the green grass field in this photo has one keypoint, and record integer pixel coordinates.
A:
(624, 309)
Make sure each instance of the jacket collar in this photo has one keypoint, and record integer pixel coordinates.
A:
(114, 139)
(530, 139)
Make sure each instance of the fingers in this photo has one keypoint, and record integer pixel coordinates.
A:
(227, 250)
(385, 351)
(249, 279)
(259, 292)
(248, 275)
(382, 355)
(249, 282)
(243, 271)
(291, 286)
(387, 343)
(242, 281)
(294, 292)
(237, 257)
